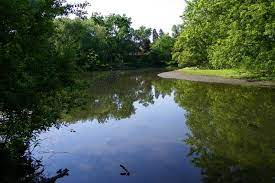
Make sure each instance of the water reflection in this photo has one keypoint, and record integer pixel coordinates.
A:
(23, 115)
(112, 95)
(159, 130)
(232, 130)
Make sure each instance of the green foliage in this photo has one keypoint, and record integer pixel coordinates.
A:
(108, 42)
(176, 30)
(228, 34)
(161, 33)
(86, 47)
(161, 49)
(226, 73)
(28, 59)
(142, 38)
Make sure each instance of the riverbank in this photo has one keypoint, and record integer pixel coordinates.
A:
(215, 76)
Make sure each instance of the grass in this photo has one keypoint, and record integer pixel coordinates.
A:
(226, 73)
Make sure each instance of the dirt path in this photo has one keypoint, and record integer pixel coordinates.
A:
(214, 79)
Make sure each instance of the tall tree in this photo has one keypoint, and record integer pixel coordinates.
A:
(155, 35)
(161, 33)
(161, 50)
(176, 29)
(142, 38)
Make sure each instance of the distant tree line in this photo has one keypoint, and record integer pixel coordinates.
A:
(105, 42)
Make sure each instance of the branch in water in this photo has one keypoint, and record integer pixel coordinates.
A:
(126, 173)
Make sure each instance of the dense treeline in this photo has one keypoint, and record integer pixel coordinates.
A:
(108, 42)
(228, 34)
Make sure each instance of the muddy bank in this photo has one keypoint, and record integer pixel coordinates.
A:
(214, 79)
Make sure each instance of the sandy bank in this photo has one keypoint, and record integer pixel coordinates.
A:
(214, 79)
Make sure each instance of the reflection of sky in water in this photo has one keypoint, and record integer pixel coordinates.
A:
(149, 143)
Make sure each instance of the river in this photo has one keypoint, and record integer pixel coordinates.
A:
(136, 127)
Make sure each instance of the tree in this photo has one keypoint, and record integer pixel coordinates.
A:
(161, 49)
(227, 34)
(142, 38)
(155, 35)
(28, 57)
(161, 33)
(84, 41)
(176, 29)
(98, 42)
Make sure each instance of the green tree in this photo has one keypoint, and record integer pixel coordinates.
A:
(84, 41)
(227, 34)
(142, 38)
(155, 35)
(176, 29)
(161, 50)
(28, 59)
(161, 33)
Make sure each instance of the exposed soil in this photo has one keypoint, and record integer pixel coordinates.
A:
(214, 79)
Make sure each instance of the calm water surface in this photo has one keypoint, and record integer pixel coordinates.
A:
(163, 131)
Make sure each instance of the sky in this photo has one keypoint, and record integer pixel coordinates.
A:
(159, 14)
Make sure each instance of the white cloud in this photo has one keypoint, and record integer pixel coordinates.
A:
(151, 13)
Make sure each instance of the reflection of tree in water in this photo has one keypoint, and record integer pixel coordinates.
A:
(112, 95)
(232, 130)
(22, 116)
(18, 165)
(25, 114)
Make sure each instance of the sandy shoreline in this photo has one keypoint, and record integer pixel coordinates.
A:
(214, 79)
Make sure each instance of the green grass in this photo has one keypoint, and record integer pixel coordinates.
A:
(226, 73)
